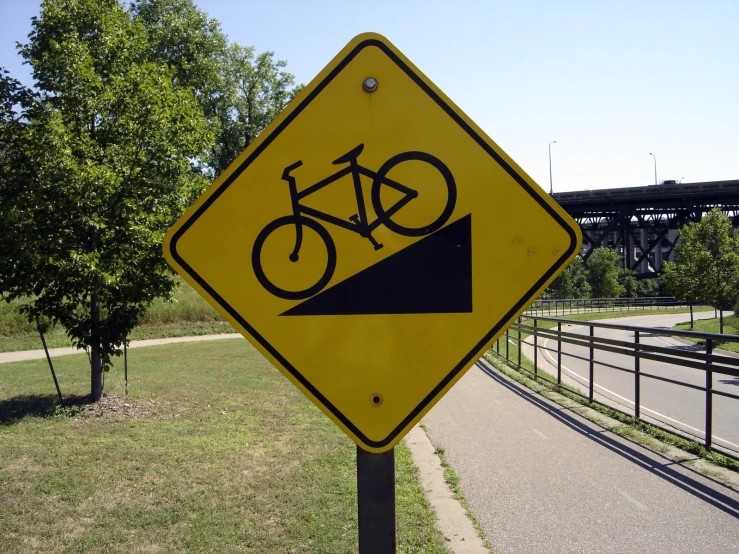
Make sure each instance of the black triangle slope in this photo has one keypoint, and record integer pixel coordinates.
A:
(433, 275)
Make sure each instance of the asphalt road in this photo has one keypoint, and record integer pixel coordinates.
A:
(541, 479)
(669, 405)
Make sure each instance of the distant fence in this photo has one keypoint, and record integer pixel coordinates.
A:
(652, 374)
(569, 306)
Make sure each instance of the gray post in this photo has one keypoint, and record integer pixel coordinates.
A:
(592, 364)
(51, 366)
(536, 349)
(709, 393)
(519, 342)
(376, 501)
(637, 381)
(125, 365)
(559, 353)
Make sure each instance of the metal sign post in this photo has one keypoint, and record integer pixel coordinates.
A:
(376, 501)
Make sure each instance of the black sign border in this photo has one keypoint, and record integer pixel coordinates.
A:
(268, 140)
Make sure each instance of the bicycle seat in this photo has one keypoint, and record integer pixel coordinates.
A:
(353, 154)
(286, 174)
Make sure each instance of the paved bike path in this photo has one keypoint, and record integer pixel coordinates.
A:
(22, 355)
(540, 478)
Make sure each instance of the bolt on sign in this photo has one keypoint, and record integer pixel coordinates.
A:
(372, 242)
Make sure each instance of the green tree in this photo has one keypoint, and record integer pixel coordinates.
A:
(99, 167)
(707, 266)
(239, 92)
(628, 283)
(683, 277)
(649, 287)
(192, 44)
(255, 90)
(603, 273)
(572, 282)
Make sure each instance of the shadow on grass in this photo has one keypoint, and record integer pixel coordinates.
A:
(12, 410)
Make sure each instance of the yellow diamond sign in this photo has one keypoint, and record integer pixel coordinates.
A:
(372, 242)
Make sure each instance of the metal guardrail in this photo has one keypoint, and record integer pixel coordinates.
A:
(569, 306)
(709, 362)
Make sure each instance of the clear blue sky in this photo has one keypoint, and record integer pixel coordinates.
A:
(611, 81)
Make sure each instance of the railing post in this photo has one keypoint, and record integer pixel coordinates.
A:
(507, 340)
(637, 380)
(536, 348)
(709, 393)
(559, 353)
(590, 388)
(519, 343)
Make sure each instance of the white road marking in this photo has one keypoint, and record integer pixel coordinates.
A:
(542, 435)
(633, 500)
(575, 375)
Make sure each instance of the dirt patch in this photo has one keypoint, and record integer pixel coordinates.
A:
(112, 407)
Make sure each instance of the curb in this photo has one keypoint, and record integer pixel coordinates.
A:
(460, 535)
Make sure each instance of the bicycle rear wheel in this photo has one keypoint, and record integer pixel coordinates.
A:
(386, 215)
(256, 257)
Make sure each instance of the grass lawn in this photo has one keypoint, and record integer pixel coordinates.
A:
(213, 451)
(731, 327)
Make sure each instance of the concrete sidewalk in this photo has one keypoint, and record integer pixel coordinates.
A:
(540, 478)
(6, 357)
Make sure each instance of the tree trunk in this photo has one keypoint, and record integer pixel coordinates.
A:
(721, 321)
(691, 315)
(96, 365)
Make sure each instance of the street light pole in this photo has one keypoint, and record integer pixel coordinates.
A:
(655, 167)
(551, 189)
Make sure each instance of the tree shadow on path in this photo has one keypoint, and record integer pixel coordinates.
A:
(681, 476)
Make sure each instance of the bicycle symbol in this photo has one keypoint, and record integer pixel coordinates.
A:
(357, 223)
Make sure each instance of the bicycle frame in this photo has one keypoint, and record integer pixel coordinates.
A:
(358, 223)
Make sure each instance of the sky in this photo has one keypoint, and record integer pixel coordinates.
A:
(610, 81)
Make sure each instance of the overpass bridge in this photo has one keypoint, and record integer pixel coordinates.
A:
(642, 223)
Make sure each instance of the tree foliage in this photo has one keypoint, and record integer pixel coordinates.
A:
(255, 90)
(98, 168)
(134, 107)
(707, 264)
(191, 44)
(628, 282)
(683, 277)
(572, 282)
(603, 274)
(239, 91)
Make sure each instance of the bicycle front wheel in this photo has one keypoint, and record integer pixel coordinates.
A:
(386, 215)
(306, 224)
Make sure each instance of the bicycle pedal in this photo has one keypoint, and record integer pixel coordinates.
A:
(354, 218)
(378, 246)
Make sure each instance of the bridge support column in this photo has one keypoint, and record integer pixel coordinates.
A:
(644, 266)
(672, 235)
(658, 255)
(627, 243)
